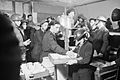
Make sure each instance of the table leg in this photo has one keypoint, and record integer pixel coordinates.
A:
(55, 72)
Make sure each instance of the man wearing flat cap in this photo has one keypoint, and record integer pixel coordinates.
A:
(99, 36)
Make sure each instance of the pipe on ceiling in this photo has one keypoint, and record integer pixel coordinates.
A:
(90, 3)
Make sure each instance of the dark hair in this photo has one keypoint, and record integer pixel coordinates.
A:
(23, 21)
(24, 16)
(70, 10)
(53, 22)
(92, 19)
(50, 17)
(29, 15)
(43, 23)
(82, 17)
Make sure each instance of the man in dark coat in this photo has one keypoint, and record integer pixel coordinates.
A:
(38, 37)
(49, 43)
(99, 36)
(82, 70)
(117, 61)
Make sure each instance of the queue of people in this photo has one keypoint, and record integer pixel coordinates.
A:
(37, 41)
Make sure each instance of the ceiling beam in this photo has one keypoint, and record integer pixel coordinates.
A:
(89, 3)
(17, 0)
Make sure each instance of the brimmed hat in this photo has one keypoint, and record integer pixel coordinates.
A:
(79, 34)
(16, 17)
(23, 21)
(102, 18)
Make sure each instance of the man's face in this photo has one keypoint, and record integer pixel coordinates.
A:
(44, 26)
(49, 19)
(24, 25)
(18, 23)
(30, 18)
(92, 22)
(71, 14)
(56, 28)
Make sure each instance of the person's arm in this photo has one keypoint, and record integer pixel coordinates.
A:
(88, 53)
(55, 47)
(19, 36)
(39, 35)
(117, 61)
(105, 42)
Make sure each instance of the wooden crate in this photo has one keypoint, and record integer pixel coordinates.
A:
(33, 74)
(106, 73)
(37, 75)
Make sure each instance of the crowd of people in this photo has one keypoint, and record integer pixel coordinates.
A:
(33, 42)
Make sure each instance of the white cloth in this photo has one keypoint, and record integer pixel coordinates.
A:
(28, 69)
(48, 64)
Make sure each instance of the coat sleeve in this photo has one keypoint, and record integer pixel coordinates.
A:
(19, 37)
(105, 42)
(88, 53)
(55, 47)
(38, 37)
(118, 61)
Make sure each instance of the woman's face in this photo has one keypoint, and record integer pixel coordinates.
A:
(24, 25)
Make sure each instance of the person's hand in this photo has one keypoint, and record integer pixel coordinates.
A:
(27, 42)
(71, 54)
(113, 62)
(37, 27)
(70, 62)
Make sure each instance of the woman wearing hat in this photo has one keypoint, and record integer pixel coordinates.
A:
(81, 69)
(22, 29)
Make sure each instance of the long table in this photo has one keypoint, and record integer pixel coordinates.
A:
(59, 60)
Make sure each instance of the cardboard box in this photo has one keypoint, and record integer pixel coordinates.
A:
(60, 59)
(27, 74)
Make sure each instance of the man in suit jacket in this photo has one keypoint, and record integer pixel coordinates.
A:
(49, 43)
